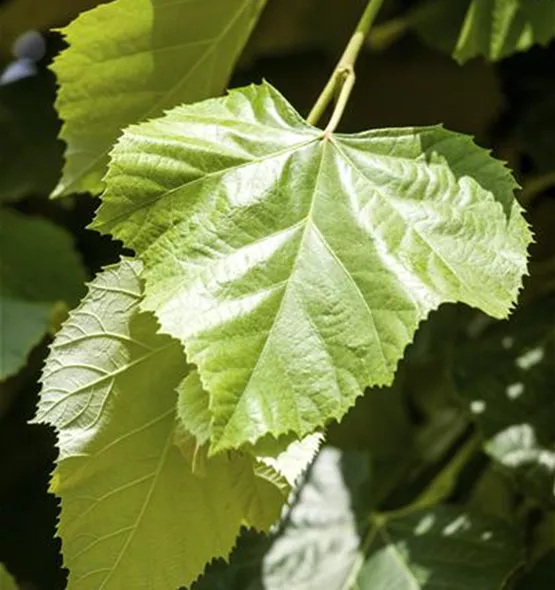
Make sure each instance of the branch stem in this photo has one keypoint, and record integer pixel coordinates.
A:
(343, 76)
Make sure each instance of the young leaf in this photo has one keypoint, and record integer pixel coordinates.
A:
(193, 408)
(507, 384)
(109, 390)
(285, 457)
(491, 28)
(295, 266)
(129, 60)
(38, 268)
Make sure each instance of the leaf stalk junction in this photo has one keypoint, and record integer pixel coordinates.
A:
(342, 79)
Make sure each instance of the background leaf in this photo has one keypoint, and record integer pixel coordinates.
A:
(129, 60)
(295, 268)
(30, 154)
(542, 576)
(282, 460)
(507, 385)
(490, 28)
(6, 580)
(38, 268)
(333, 537)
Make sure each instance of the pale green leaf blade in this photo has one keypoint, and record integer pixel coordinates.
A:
(272, 467)
(292, 461)
(295, 267)
(127, 492)
(193, 408)
(491, 28)
(6, 580)
(129, 60)
(507, 384)
(259, 489)
(38, 268)
(281, 460)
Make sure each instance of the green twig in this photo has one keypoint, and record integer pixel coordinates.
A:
(343, 75)
(534, 186)
(388, 32)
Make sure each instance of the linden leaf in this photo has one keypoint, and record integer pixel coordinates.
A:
(126, 490)
(295, 265)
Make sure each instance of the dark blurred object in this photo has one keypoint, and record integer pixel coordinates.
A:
(28, 513)
(18, 70)
(30, 45)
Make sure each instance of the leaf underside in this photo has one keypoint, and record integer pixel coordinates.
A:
(295, 267)
(127, 491)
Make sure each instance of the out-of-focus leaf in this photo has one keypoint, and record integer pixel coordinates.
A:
(491, 28)
(294, 26)
(494, 494)
(22, 325)
(6, 580)
(30, 153)
(38, 268)
(332, 539)
(507, 381)
(541, 576)
(536, 131)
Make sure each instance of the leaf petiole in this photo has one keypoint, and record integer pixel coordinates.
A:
(343, 76)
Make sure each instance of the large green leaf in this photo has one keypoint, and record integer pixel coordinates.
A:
(130, 60)
(333, 539)
(38, 268)
(133, 513)
(491, 28)
(507, 383)
(296, 266)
